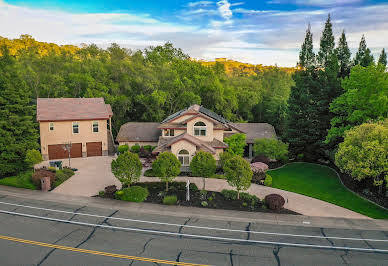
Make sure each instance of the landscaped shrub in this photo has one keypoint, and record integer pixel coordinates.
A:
(149, 173)
(144, 153)
(60, 177)
(238, 174)
(52, 169)
(148, 148)
(248, 197)
(204, 203)
(68, 171)
(268, 181)
(166, 167)
(33, 157)
(203, 164)
(127, 168)
(133, 194)
(110, 190)
(229, 194)
(261, 159)
(170, 200)
(123, 148)
(42, 173)
(258, 170)
(135, 148)
(272, 148)
(236, 144)
(225, 156)
(274, 201)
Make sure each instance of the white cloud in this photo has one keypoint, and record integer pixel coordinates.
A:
(199, 3)
(224, 9)
(315, 2)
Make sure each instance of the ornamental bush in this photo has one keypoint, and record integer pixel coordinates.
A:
(123, 148)
(261, 159)
(236, 144)
(170, 200)
(133, 194)
(203, 164)
(364, 152)
(224, 157)
(268, 181)
(272, 148)
(258, 170)
(135, 148)
(127, 168)
(39, 174)
(33, 157)
(274, 201)
(238, 174)
(166, 167)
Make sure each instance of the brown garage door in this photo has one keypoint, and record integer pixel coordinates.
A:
(57, 151)
(94, 149)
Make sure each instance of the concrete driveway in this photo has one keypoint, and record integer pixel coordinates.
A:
(93, 175)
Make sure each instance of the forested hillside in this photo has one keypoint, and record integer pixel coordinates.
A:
(151, 84)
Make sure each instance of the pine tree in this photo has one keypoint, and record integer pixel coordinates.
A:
(343, 55)
(327, 44)
(383, 58)
(18, 130)
(298, 117)
(306, 55)
(364, 55)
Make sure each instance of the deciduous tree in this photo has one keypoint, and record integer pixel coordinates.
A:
(238, 174)
(127, 168)
(166, 167)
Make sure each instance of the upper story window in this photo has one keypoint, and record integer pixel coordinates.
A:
(200, 129)
(169, 133)
(51, 126)
(95, 127)
(75, 127)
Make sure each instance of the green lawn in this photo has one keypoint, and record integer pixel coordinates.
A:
(22, 180)
(322, 183)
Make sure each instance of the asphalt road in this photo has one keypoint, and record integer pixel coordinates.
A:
(109, 238)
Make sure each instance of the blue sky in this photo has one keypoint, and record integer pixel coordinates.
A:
(262, 32)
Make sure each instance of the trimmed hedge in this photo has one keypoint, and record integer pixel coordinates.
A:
(274, 201)
(123, 148)
(133, 194)
(170, 200)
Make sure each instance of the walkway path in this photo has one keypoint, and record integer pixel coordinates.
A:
(295, 202)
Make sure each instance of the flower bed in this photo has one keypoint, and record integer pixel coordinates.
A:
(226, 199)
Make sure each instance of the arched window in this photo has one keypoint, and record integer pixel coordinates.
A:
(200, 129)
(184, 157)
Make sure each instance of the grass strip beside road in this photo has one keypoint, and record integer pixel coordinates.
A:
(100, 253)
(322, 183)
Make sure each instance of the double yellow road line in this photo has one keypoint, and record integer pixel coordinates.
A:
(94, 252)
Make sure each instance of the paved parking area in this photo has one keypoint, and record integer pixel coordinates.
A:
(93, 175)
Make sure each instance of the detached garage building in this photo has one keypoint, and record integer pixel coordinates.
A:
(82, 122)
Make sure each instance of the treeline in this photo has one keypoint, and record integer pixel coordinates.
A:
(333, 92)
(151, 84)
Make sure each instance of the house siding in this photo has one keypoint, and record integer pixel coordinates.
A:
(63, 132)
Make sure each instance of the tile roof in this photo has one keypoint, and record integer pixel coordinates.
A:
(70, 109)
(139, 131)
(210, 146)
(199, 109)
(254, 131)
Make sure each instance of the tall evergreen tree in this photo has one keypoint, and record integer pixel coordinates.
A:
(364, 55)
(343, 55)
(298, 117)
(327, 44)
(383, 58)
(306, 54)
(18, 130)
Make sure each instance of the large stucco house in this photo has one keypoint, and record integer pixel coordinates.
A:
(190, 130)
(82, 122)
